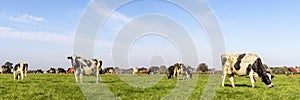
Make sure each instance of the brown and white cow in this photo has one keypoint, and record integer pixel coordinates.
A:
(85, 66)
(142, 70)
(20, 70)
(245, 64)
(70, 70)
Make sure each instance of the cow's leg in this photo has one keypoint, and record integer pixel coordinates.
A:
(252, 80)
(231, 80)
(97, 74)
(76, 75)
(80, 77)
(188, 76)
(14, 75)
(223, 78)
(22, 75)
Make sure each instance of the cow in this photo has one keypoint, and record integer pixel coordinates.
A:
(7, 68)
(170, 72)
(51, 71)
(70, 70)
(290, 71)
(154, 70)
(245, 64)
(177, 69)
(135, 70)
(109, 70)
(185, 72)
(20, 71)
(85, 66)
(140, 71)
(60, 71)
(39, 71)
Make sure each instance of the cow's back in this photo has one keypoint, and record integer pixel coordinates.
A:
(238, 63)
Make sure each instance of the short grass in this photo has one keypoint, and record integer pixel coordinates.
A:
(63, 86)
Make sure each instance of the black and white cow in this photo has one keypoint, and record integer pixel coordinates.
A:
(20, 70)
(60, 71)
(245, 64)
(185, 72)
(170, 72)
(179, 68)
(85, 66)
(51, 71)
(38, 71)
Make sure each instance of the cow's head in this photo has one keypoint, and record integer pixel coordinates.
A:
(267, 79)
(73, 59)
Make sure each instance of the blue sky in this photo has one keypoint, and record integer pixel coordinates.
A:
(41, 32)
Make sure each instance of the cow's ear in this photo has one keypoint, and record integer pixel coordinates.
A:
(69, 57)
(272, 76)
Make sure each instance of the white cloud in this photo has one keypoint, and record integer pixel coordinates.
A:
(27, 18)
(10, 33)
(5, 29)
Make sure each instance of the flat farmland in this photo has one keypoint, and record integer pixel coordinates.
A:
(63, 86)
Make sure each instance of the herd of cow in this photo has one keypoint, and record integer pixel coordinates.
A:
(232, 64)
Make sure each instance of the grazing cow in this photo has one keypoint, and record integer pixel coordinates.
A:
(85, 66)
(70, 70)
(20, 70)
(60, 71)
(245, 64)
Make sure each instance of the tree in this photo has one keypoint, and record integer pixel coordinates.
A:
(6, 68)
(162, 69)
(202, 67)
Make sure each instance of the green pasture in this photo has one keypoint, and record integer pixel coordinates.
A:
(129, 87)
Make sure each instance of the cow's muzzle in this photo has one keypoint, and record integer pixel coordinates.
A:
(271, 85)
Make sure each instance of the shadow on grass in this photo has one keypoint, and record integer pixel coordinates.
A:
(237, 85)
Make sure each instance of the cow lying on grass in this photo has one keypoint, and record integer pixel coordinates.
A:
(85, 66)
(70, 70)
(140, 71)
(20, 70)
(245, 64)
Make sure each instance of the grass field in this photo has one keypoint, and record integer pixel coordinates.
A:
(62, 86)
